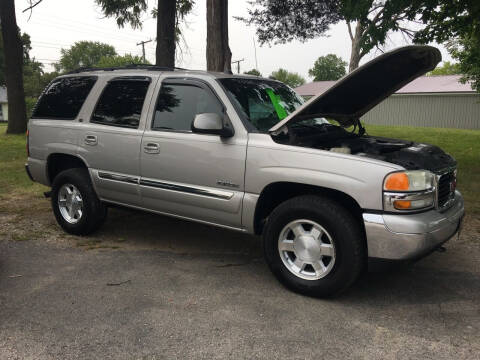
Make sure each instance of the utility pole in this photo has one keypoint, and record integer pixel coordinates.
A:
(143, 48)
(238, 64)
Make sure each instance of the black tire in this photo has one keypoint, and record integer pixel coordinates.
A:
(94, 211)
(347, 236)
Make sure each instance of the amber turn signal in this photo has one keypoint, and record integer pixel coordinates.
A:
(402, 204)
(397, 182)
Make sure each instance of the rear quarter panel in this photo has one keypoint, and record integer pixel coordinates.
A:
(47, 137)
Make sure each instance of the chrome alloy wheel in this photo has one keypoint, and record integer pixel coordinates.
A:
(306, 249)
(70, 203)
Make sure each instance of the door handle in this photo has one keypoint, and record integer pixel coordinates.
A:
(151, 148)
(91, 140)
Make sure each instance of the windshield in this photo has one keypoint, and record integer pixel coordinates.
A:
(264, 103)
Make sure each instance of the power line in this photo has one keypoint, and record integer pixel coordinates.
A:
(35, 45)
(84, 26)
(84, 31)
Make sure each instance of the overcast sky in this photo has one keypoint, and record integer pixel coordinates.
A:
(56, 24)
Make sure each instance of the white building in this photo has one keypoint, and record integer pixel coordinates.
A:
(3, 104)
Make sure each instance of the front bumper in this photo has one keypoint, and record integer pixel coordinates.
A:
(405, 237)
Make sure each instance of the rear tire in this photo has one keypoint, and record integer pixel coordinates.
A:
(76, 206)
(314, 246)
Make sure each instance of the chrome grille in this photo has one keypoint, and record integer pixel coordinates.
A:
(446, 188)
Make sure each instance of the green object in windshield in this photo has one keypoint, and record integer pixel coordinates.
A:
(282, 114)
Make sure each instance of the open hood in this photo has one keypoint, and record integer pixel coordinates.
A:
(358, 92)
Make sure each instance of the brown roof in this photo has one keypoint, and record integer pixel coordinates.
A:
(423, 84)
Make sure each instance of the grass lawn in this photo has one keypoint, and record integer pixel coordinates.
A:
(464, 145)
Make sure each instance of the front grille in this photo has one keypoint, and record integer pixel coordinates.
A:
(446, 188)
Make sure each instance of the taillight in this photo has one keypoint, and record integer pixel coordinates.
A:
(28, 144)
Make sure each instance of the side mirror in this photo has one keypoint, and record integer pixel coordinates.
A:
(211, 123)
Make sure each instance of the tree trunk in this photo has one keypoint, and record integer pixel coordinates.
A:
(219, 56)
(165, 52)
(356, 47)
(17, 113)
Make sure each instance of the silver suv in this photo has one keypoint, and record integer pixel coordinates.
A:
(248, 154)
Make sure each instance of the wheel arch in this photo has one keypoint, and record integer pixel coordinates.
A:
(58, 162)
(276, 193)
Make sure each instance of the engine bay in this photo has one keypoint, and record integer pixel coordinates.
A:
(334, 138)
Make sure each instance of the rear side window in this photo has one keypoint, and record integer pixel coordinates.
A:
(64, 98)
(121, 103)
(178, 104)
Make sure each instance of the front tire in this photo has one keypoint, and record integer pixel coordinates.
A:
(314, 246)
(75, 204)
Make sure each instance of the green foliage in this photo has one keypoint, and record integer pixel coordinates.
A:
(281, 21)
(83, 54)
(183, 8)
(290, 78)
(130, 11)
(119, 60)
(378, 18)
(446, 19)
(456, 23)
(34, 78)
(467, 51)
(274, 19)
(124, 11)
(328, 67)
(26, 44)
(447, 68)
(254, 72)
(30, 104)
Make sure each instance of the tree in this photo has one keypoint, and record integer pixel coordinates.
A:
(456, 23)
(368, 21)
(447, 68)
(13, 60)
(254, 72)
(26, 47)
(83, 54)
(467, 51)
(168, 14)
(219, 56)
(166, 36)
(119, 60)
(328, 67)
(282, 21)
(290, 78)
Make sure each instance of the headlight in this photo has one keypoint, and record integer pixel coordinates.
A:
(415, 180)
(409, 190)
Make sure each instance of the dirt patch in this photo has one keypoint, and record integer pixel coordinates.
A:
(28, 217)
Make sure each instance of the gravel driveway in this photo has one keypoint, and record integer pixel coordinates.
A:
(151, 287)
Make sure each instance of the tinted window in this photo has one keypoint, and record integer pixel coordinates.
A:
(121, 103)
(178, 104)
(64, 98)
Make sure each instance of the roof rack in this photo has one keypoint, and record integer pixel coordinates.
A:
(126, 67)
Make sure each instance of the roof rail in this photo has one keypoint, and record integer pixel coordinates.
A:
(126, 67)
